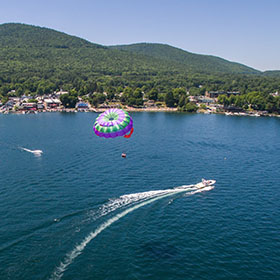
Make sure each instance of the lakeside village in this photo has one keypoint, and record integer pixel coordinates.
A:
(207, 104)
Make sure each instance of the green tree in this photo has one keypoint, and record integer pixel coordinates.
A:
(138, 93)
(183, 101)
(169, 99)
(223, 99)
(4, 99)
(153, 94)
(179, 94)
(68, 101)
(231, 99)
(190, 107)
(203, 106)
(239, 101)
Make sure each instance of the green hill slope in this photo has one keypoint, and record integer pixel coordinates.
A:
(36, 59)
(19, 35)
(190, 61)
(29, 51)
(272, 73)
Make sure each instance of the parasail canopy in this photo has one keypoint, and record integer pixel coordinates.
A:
(113, 123)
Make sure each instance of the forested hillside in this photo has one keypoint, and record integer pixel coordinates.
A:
(190, 61)
(39, 60)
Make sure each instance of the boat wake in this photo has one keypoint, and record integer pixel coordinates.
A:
(35, 152)
(129, 203)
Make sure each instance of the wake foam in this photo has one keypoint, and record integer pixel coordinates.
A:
(138, 200)
(129, 199)
(34, 152)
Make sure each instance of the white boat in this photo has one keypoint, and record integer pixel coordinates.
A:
(205, 183)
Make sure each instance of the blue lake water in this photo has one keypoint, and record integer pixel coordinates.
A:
(64, 216)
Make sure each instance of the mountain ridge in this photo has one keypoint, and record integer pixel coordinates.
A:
(167, 52)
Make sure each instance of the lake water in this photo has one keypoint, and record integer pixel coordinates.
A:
(64, 216)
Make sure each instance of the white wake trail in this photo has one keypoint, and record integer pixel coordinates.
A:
(35, 152)
(128, 199)
(144, 199)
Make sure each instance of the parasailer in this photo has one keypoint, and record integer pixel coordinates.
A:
(113, 123)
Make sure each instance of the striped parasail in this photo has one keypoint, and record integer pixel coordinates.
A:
(113, 123)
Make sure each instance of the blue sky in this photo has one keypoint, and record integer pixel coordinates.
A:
(242, 31)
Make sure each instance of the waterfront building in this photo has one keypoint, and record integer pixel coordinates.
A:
(52, 103)
(81, 106)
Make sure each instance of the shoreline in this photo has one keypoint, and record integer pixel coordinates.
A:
(94, 110)
(131, 109)
(150, 109)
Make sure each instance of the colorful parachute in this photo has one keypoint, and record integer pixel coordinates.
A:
(113, 123)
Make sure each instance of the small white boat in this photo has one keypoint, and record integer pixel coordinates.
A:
(205, 183)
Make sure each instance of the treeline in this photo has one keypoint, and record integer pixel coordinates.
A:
(195, 84)
(253, 100)
(177, 97)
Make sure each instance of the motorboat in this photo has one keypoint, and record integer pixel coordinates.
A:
(205, 183)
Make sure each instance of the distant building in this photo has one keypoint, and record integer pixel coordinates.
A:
(149, 103)
(275, 94)
(14, 99)
(206, 100)
(11, 101)
(25, 99)
(40, 106)
(52, 103)
(10, 104)
(60, 92)
(82, 106)
(193, 98)
(29, 106)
